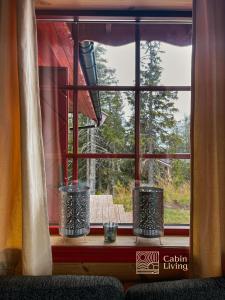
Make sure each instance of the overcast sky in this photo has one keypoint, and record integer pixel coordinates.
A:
(176, 63)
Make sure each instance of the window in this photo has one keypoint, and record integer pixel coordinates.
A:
(115, 98)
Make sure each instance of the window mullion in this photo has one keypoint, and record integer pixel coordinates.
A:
(137, 104)
(75, 33)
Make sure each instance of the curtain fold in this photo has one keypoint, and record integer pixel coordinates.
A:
(10, 156)
(208, 185)
(23, 207)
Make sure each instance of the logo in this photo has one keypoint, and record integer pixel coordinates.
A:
(147, 262)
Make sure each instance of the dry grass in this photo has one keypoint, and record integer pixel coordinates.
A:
(176, 201)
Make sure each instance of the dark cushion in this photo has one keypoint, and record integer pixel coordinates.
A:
(60, 287)
(187, 289)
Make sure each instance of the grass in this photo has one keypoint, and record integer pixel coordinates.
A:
(176, 216)
(176, 195)
(123, 195)
(176, 201)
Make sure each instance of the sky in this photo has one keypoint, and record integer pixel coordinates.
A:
(176, 63)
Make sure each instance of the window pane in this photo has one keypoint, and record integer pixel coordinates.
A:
(165, 122)
(173, 176)
(114, 53)
(111, 183)
(166, 54)
(55, 62)
(70, 170)
(116, 134)
(70, 125)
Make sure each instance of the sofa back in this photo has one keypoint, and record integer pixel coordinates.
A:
(104, 288)
(60, 287)
(186, 289)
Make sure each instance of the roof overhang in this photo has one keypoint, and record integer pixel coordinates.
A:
(55, 49)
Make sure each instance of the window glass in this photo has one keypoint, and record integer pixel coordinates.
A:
(111, 182)
(166, 54)
(106, 119)
(114, 52)
(165, 122)
(173, 176)
(116, 133)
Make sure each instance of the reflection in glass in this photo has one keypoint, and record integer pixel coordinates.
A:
(55, 62)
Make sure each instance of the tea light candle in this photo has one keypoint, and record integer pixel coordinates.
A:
(110, 232)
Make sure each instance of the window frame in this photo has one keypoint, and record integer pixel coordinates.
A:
(72, 16)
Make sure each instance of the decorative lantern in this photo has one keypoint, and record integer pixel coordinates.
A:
(75, 211)
(148, 212)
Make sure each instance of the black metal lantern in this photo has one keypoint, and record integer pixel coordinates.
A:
(75, 211)
(148, 212)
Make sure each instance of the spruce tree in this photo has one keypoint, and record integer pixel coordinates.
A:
(157, 112)
(109, 138)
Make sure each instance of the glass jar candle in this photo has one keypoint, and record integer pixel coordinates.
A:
(110, 232)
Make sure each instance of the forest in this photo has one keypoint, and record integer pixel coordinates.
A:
(160, 133)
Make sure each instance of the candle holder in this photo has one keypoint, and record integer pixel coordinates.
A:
(110, 232)
(75, 211)
(148, 212)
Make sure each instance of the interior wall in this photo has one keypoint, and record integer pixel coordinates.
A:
(126, 272)
(116, 4)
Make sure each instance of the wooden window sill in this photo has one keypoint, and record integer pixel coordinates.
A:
(121, 241)
(93, 249)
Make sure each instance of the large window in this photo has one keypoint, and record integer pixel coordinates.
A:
(120, 111)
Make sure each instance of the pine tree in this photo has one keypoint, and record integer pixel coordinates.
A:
(157, 124)
(181, 168)
(157, 112)
(110, 137)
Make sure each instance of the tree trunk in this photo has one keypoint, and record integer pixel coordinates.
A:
(113, 172)
(91, 163)
(151, 177)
